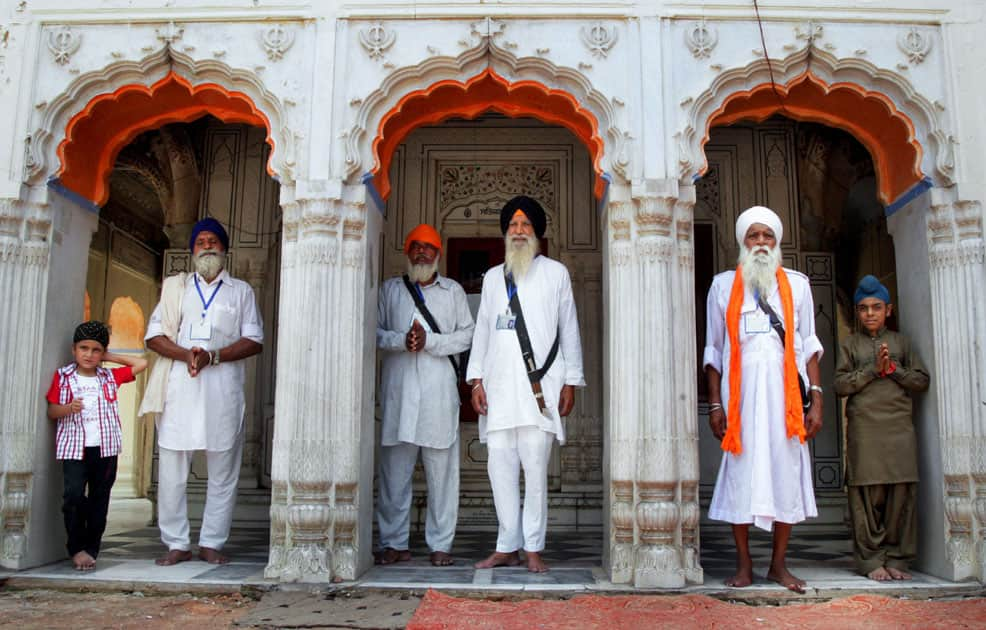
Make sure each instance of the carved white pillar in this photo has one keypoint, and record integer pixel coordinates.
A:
(321, 403)
(955, 254)
(621, 304)
(24, 257)
(685, 373)
(657, 557)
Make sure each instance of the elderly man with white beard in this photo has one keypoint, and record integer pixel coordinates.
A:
(423, 324)
(203, 328)
(525, 364)
(755, 405)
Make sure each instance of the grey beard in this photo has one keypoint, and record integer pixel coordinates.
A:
(423, 272)
(518, 258)
(760, 269)
(209, 263)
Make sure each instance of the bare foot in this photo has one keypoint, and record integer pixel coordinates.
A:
(743, 577)
(784, 577)
(499, 559)
(897, 574)
(879, 574)
(534, 562)
(440, 559)
(83, 561)
(390, 556)
(212, 556)
(174, 556)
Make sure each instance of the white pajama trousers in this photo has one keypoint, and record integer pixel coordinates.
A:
(220, 499)
(510, 450)
(394, 502)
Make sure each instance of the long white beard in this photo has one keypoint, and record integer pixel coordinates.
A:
(519, 256)
(422, 272)
(209, 263)
(760, 268)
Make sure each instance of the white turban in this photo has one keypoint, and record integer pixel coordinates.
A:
(758, 214)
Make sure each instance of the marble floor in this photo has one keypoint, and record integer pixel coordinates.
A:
(820, 555)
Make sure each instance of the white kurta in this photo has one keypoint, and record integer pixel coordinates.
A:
(545, 294)
(771, 480)
(419, 396)
(206, 412)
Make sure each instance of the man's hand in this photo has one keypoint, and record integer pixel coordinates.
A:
(197, 358)
(479, 399)
(414, 341)
(813, 419)
(566, 400)
(717, 422)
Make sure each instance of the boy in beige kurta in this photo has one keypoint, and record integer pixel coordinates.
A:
(878, 371)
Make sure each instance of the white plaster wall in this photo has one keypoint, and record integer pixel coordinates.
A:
(908, 228)
(72, 229)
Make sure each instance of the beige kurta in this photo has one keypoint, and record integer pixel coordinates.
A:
(881, 443)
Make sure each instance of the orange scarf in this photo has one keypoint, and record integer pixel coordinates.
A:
(793, 414)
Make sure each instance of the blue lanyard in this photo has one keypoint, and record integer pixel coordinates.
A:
(417, 287)
(206, 305)
(511, 287)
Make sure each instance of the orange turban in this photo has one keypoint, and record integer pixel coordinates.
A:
(425, 234)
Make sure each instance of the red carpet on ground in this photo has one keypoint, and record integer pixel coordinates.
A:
(630, 612)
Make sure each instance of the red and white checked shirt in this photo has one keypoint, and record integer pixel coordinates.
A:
(70, 437)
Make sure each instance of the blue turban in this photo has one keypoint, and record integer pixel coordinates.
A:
(869, 286)
(209, 224)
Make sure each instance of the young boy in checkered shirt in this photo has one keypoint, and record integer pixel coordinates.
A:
(83, 399)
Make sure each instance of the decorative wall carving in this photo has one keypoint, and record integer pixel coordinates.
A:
(170, 34)
(63, 42)
(701, 39)
(276, 40)
(377, 39)
(467, 181)
(599, 38)
(915, 44)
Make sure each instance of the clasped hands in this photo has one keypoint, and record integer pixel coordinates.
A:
(415, 339)
(197, 358)
(883, 361)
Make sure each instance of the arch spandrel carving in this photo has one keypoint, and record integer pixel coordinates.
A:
(914, 122)
(169, 69)
(487, 59)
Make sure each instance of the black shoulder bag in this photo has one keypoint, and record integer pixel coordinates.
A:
(419, 301)
(534, 375)
(775, 323)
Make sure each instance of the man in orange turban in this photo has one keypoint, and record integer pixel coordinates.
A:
(419, 397)
(755, 405)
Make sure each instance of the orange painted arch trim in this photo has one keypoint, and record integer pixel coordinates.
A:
(871, 117)
(485, 92)
(108, 122)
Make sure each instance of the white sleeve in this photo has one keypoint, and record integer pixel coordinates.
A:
(387, 339)
(569, 343)
(715, 330)
(481, 335)
(251, 326)
(806, 326)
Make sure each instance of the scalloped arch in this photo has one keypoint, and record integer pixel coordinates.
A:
(96, 134)
(882, 109)
(870, 117)
(484, 92)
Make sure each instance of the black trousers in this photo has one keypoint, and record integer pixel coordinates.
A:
(85, 512)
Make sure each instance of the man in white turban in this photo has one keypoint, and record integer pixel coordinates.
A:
(760, 341)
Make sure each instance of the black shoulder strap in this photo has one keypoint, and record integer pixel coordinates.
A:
(423, 309)
(775, 321)
(520, 326)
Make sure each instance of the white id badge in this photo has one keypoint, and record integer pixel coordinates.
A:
(756, 322)
(506, 321)
(201, 330)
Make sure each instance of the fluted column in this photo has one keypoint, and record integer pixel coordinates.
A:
(322, 408)
(657, 556)
(955, 256)
(24, 256)
(685, 399)
(622, 308)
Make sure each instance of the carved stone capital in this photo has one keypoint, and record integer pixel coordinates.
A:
(14, 511)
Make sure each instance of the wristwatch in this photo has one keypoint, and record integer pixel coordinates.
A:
(215, 357)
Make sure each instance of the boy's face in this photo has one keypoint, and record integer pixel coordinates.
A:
(88, 354)
(873, 313)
